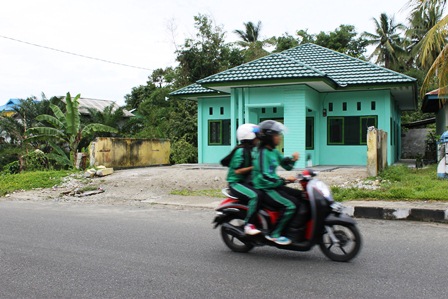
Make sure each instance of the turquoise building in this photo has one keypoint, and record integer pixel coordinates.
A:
(326, 99)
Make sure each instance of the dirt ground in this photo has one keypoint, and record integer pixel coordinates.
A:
(154, 184)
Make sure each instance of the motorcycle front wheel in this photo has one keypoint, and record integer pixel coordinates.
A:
(348, 242)
(232, 241)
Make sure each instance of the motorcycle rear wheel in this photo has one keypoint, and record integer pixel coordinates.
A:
(349, 243)
(233, 242)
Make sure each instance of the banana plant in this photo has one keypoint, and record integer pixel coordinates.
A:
(65, 128)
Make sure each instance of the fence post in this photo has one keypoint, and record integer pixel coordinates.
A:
(372, 152)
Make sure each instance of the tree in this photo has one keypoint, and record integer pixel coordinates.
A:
(344, 40)
(250, 33)
(65, 128)
(434, 41)
(110, 116)
(206, 55)
(25, 113)
(285, 42)
(387, 40)
(421, 20)
(250, 42)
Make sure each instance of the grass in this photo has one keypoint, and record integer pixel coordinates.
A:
(30, 180)
(400, 183)
(396, 183)
(207, 192)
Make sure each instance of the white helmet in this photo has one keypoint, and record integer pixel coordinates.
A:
(247, 132)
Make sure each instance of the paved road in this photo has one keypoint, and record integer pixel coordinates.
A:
(57, 250)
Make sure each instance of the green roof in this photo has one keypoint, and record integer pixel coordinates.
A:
(274, 66)
(310, 61)
(194, 89)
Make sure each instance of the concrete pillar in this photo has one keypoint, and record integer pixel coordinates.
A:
(372, 152)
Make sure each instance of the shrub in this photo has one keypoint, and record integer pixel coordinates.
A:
(183, 152)
(9, 153)
(36, 160)
(12, 168)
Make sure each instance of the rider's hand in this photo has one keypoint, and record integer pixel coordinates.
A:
(295, 156)
(291, 179)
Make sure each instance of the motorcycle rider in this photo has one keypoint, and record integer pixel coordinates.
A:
(266, 179)
(240, 166)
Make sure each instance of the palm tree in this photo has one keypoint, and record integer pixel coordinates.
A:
(421, 20)
(253, 47)
(434, 41)
(250, 33)
(66, 129)
(386, 39)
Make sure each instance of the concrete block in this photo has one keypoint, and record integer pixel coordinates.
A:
(90, 173)
(427, 215)
(369, 212)
(104, 172)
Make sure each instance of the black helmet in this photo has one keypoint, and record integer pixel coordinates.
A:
(269, 128)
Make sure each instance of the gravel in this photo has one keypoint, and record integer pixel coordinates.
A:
(150, 184)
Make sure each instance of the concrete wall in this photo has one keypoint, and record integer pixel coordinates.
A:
(413, 143)
(353, 154)
(129, 152)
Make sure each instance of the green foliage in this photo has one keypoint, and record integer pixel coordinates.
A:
(36, 160)
(207, 54)
(387, 40)
(11, 168)
(9, 153)
(343, 39)
(401, 183)
(183, 152)
(285, 42)
(29, 180)
(65, 128)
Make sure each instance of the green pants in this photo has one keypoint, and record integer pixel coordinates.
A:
(286, 203)
(248, 193)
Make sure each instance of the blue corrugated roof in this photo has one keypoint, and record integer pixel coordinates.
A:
(10, 105)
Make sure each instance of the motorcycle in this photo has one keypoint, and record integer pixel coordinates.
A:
(319, 221)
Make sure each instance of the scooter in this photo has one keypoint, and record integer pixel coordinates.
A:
(319, 221)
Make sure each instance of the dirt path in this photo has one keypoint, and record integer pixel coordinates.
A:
(154, 184)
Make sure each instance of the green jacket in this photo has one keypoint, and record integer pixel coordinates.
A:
(239, 160)
(265, 165)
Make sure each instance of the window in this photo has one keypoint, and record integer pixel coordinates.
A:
(358, 106)
(274, 110)
(335, 130)
(330, 107)
(349, 130)
(210, 111)
(309, 133)
(373, 105)
(344, 106)
(219, 132)
(366, 122)
(263, 110)
(221, 110)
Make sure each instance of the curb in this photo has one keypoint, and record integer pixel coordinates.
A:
(414, 214)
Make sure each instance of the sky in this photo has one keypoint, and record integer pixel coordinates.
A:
(142, 33)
